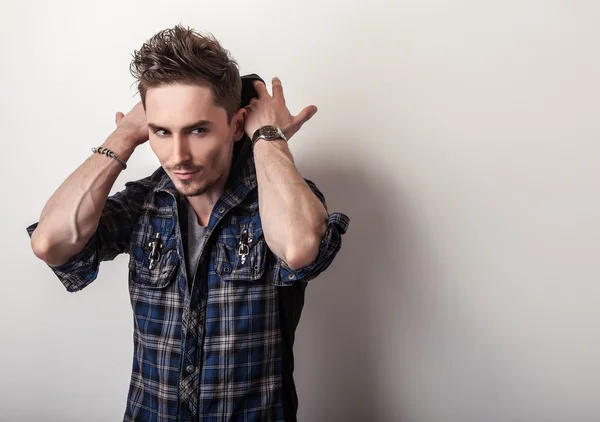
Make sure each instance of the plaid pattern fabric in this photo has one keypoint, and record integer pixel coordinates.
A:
(207, 349)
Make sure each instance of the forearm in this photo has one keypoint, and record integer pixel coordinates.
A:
(294, 220)
(72, 213)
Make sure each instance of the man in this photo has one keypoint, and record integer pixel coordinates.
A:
(222, 238)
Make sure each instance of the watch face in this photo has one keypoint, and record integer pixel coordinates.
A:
(269, 132)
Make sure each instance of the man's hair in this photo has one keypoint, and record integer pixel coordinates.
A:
(182, 55)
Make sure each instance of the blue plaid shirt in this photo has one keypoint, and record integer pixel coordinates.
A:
(218, 347)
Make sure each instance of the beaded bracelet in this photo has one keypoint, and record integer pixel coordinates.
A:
(111, 154)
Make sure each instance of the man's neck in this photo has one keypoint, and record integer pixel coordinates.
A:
(204, 204)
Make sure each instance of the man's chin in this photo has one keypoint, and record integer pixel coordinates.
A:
(188, 187)
(193, 193)
(191, 189)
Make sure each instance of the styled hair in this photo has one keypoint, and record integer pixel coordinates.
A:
(182, 55)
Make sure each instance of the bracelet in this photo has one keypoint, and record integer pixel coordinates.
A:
(110, 154)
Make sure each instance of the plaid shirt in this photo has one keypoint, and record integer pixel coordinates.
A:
(218, 347)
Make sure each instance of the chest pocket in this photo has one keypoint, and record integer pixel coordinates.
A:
(241, 253)
(154, 260)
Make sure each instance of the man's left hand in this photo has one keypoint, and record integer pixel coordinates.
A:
(271, 110)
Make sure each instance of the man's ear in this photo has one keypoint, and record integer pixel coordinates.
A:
(239, 119)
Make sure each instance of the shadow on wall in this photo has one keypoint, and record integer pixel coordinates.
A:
(354, 311)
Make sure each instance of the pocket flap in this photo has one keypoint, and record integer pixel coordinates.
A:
(235, 262)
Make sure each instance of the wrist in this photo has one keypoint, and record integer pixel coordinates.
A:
(130, 135)
(121, 143)
(267, 151)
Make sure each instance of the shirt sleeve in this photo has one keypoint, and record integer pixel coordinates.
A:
(337, 225)
(110, 239)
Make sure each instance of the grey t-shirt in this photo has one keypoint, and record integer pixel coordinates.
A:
(195, 238)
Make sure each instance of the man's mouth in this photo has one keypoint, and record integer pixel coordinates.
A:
(184, 175)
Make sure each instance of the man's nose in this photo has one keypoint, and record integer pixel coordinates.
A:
(181, 149)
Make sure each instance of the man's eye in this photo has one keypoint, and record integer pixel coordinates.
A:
(199, 131)
(160, 132)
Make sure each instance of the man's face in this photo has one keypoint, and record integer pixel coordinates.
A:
(190, 136)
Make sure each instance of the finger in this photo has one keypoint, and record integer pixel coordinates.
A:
(278, 89)
(305, 114)
(261, 89)
(118, 117)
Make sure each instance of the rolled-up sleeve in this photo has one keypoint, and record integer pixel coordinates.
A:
(110, 239)
(330, 245)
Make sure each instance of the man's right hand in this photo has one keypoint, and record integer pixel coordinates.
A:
(133, 125)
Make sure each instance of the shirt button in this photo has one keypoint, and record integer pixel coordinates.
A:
(190, 369)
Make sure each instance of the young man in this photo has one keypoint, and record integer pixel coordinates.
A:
(222, 238)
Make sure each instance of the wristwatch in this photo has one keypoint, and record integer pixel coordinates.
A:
(268, 133)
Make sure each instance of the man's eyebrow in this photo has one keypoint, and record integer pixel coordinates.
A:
(199, 123)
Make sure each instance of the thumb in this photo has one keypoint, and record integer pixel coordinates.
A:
(118, 117)
(306, 114)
